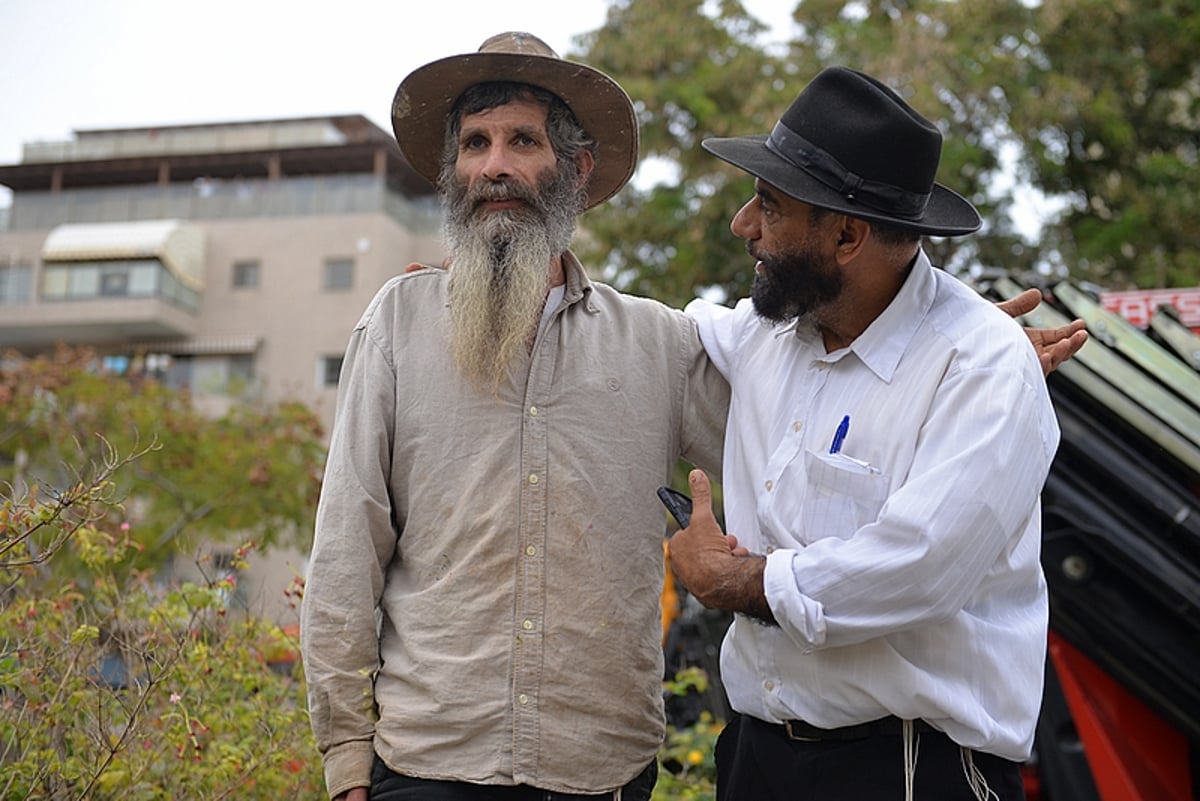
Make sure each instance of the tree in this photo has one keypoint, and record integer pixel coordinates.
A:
(690, 76)
(1109, 107)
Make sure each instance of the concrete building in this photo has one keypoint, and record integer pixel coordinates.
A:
(230, 258)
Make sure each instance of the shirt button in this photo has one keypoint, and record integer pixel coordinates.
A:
(533, 479)
(768, 685)
(527, 625)
(796, 426)
(533, 412)
(522, 699)
(769, 485)
(530, 550)
(770, 549)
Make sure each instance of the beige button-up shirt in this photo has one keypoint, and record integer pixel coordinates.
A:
(482, 599)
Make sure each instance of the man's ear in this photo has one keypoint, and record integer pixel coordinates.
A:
(851, 235)
(585, 162)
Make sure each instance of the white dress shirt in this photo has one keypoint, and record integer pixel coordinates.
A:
(903, 570)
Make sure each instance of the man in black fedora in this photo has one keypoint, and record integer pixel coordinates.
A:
(888, 437)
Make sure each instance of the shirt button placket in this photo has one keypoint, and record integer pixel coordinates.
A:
(530, 600)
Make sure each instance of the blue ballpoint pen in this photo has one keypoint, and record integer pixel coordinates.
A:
(839, 436)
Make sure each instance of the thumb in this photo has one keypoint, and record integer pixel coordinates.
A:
(1020, 304)
(701, 493)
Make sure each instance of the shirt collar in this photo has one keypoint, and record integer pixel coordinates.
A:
(886, 339)
(578, 283)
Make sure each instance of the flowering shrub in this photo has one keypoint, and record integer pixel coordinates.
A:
(132, 690)
(687, 771)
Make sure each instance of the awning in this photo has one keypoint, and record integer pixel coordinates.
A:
(178, 245)
(223, 344)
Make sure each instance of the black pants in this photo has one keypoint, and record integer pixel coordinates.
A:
(387, 785)
(756, 761)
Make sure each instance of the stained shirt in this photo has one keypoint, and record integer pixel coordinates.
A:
(904, 568)
(511, 546)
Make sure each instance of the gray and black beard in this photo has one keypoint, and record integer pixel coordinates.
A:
(793, 284)
(500, 266)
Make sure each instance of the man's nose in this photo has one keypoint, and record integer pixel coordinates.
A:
(497, 165)
(745, 223)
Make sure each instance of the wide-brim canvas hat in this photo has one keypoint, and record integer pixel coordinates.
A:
(424, 100)
(850, 144)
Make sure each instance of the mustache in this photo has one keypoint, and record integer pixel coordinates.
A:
(488, 191)
(754, 253)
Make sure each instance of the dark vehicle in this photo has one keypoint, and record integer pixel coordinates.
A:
(1121, 553)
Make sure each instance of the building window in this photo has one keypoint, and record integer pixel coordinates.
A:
(16, 284)
(245, 275)
(114, 283)
(138, 278)
(115, 364)
(330, 371)
(339, 273)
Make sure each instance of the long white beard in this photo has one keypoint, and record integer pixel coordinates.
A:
(500, 272)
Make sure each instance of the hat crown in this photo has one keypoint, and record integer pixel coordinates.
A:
(850, 144)
(868, 128)
(517, 42)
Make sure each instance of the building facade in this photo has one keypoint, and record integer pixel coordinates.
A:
(232, 259)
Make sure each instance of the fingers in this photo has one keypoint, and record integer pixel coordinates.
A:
(733, 546)
(1057, 335)
(416, 266)
(1053, 355)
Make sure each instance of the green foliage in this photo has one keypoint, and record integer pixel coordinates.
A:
(691, 76)
(132, 690)
(1110, 108)
(686, 768)
(253, 473)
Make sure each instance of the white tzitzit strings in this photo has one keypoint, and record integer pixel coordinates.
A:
(911, 744)
(975, 778)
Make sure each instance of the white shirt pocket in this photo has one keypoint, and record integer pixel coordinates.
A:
(843, 495)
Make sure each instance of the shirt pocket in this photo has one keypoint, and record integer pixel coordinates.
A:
(843, 495)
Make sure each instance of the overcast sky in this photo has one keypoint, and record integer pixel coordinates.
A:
(69, 65)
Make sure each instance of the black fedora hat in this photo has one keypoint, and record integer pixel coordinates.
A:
(424, 99)
(850, 144)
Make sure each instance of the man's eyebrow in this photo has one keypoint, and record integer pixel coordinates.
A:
(532, 131)
(766, 193)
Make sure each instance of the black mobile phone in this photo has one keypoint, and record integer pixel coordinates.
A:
(678, 504)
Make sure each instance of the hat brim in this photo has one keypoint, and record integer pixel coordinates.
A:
(946, 214)
(424, 99)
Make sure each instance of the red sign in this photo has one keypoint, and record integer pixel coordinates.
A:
(1138, 306)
